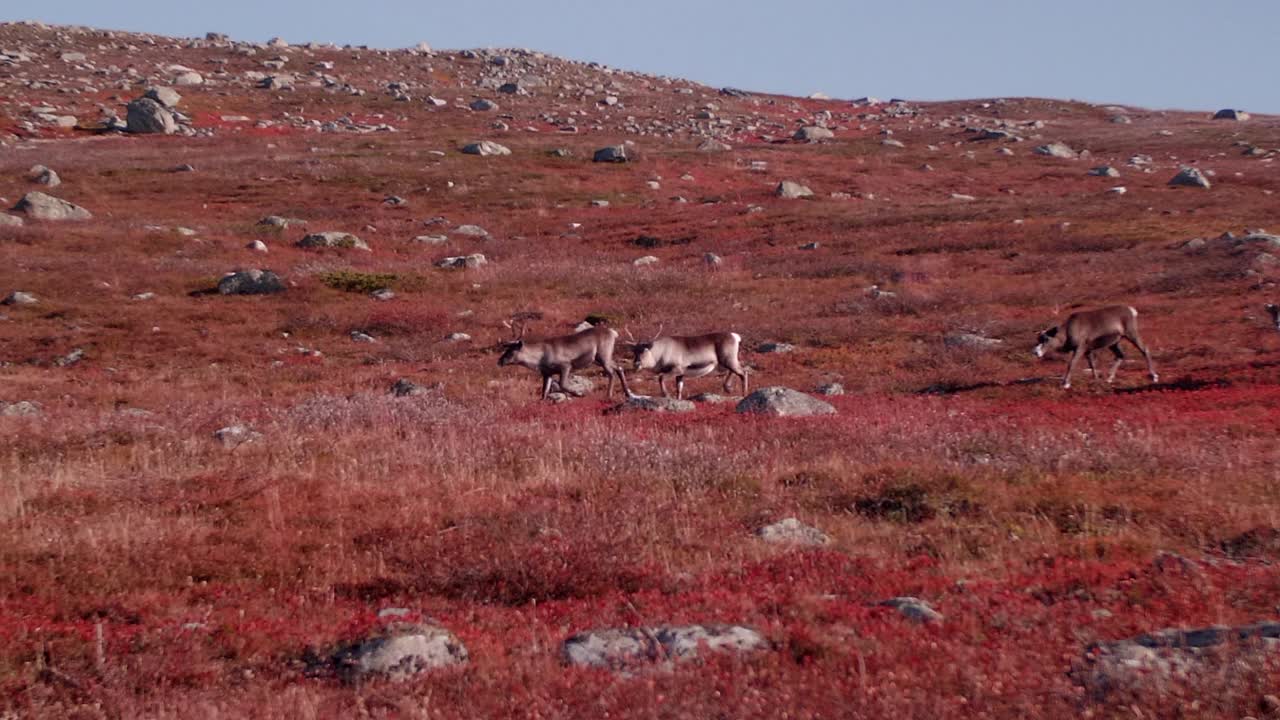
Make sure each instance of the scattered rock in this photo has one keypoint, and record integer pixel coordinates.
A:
(792, 532)
(168, 97)
(10, 221)
(1230, 114)
(42, 175)
(257, 246)
(362, 337)
(627, 648)
(405, 387)
(783, 402)
(792, 190)
(22, 408)
(1105, 171)
(148, 116)
(1057, 150)
(711, 145)
(233, 436)
(714, 399)
(913, 609)
(712, 259)
(483, 105)
(486, 148)
(250, 282)
(611, 154)
(39, 206)
(644, 403)
(813, 133)
(17, 297)
(472, 231)
(1190, 177)
(775, 347)
(646, 260)
(970, 340)
(282, 223)
(333, 240)
(831, 389)
(577, 386)
(399, 652)
(383, 294)
(71, 358)
(472, 262)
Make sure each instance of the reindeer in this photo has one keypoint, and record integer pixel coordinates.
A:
(555, 357)
(1086, 332)
(1275, 314)
(691, 356)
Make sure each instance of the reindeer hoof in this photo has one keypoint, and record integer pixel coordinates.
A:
(1155, 378)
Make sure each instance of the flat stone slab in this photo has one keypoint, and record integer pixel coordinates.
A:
(622, 648)
(644, 403)
(791, 531)
(399, 652)
(783, 402)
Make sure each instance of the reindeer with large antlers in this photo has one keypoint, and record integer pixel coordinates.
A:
(689, 356)
(556, 357)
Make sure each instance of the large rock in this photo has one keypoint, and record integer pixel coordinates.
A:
(644, 403)
(486, 148)
(1058, 150)
(913, 609)
(148, 116)
(460, 262)
(399, 652)
(612, 153)
(10, 221)
(41, 175)
(1190, 177)
(792, 532)
(624, 648)
(1175, 655)
(1230, 114)
(813, 133)
(39, 206)
(783, 402)
(792, 190)
(250, 282)
(167, 97)
(333, 240)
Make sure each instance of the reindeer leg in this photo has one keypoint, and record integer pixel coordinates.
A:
(546, 385)
(1071, 368)
(1151, 368)
(564, 379)
(662, 385)
(623, 377)
(1089, 356)
(1111, 376)
(679, 387)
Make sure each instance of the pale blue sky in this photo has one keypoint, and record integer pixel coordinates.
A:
(1190, 54)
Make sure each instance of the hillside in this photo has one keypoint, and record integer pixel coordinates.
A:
(203, 495)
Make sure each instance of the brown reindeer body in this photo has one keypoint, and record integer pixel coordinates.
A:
(557, 357)
(1084, 333)
(691, 356)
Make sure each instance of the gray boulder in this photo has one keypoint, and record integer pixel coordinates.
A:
(813, 133)
(775, 347)
(17, 297)
(233, 436)
(577, 386)
(831, 389)
(486, 148)
(399, 652)
(792, 190)
(625, 648)
(792, 532)
(913, 609)
(39, 206)
(250, 282)
(1190, 177)
(10, 221)
(611, 154)
(483, 105)
(644, 403)
(167, 97)
(148, 116)
(1057, 150)
(333, 240)
(472, 231)
(783, 402)
(22, 408)
(1105, 171)
(42, 175)
(1230, 114)
(460, 262)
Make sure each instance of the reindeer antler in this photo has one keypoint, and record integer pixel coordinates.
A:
(659, 333)
(516, 337)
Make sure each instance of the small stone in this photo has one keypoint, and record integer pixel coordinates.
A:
(483, 105)
(611, 154)
(831, 389)
(790, 190)
(233, 436)
(383, 294)
(913, 609)
(1190, 177)
(250, 282)
(712, 259)
(792, 532)
(463, 261)
(775, 347)
(458, 337)
(486, 148)
(257, 246)
(168, 97)
(407, 388)
(399, 652)
(643, 403)
(625, 648)
(22, 408)
(1231, 114)
(42, 175)
(71, 358)
(333, 240)
(813, 133)
(1057, 150)
(1105, 171)
(783, 402)
(643, 261)
(17, 297)
(360, 337)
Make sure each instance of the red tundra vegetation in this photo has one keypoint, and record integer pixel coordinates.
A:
(148, 569)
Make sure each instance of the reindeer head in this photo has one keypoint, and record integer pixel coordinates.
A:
(1275, 314)
(643, 357)
(1050, 340)
(513, 351)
